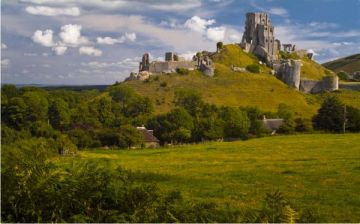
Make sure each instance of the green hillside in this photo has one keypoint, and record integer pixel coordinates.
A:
(235, 89)
(348, 64)
(310, 170)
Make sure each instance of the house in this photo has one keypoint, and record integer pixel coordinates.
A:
(150, 141)
(272, 124)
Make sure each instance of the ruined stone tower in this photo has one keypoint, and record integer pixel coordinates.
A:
(259, 37)
(145, 63)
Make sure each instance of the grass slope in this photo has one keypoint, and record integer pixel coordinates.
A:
(227, 87)
(348, 64)
(312, 70)
(320, 171)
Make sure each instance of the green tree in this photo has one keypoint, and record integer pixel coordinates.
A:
(59, 114)
(236, 121)
(330, 116)
(285, 112)
(303, 125)
(353, 119)
(36, 106)
(190, 100)
(15, 112)
(129, 136)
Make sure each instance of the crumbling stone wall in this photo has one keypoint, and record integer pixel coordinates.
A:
(288, 71)
(328, 83)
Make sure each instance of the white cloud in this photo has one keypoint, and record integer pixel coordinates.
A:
(311, 51)
(71, 35)
(216, 33)
(278, 11)
(188, 55)
(106, 40)
(111, 41)
(50, 11)
(176, 5)
(45, 38)
(91, 51)
(234, 38)
(130, 36)
(3, 46)
(30, 54)
(5, 62)
(59, 50)
(198, 24)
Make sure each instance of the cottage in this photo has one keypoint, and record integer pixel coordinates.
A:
(150, 141)
(272, 124)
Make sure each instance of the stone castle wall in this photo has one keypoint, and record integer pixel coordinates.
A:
(328, 83)
(171, 66)
(288, 71)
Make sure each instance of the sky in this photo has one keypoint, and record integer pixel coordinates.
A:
(87, 42)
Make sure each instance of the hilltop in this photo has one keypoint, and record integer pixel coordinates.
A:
(237, 89)
(348, 64)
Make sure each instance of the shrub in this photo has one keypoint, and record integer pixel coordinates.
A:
(254, 68)
(342, 75)
(182, 71)
(163, 84)
(330, 116)
(303, 125)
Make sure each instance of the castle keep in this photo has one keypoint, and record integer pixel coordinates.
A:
(259, 37)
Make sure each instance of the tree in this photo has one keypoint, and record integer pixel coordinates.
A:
(190, 100)
(303, 125)
(174, 126)
(330, 116)
(254, 68)
(15, 112)
(129, 136)
(36, 106)
(210, 125)
(285, 112)
(59, 114)
(353, 119)
(255, 116)
(219, 46)
(236, 121)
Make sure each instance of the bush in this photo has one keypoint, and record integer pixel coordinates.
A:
(303, 125)
(342, 75)
(254, 68)
(163, 84)
(182, 71)
(330, 116)
(36, 190)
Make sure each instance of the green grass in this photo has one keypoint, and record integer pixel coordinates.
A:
(312, 70)
(320, 171)
(348, 64)
(226, 88)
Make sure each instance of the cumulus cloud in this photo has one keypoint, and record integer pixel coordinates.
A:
(45, 38)
(59, 50)
(198, 24)
(51, 11)
(188, 55)
(216, 33)
(278, 11)
(3, 46)
(91, 51)
(71, 35)
(111, 41)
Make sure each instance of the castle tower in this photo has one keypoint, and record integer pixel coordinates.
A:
(145, 63)
(259, 37)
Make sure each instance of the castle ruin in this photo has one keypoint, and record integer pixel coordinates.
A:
(259, 37)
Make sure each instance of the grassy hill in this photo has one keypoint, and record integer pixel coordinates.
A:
(348, 64)
(313, 171)
(236, 89)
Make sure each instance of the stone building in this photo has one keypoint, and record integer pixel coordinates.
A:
(150, 141)
(259, 37)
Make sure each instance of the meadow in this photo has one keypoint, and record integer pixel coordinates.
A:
(316, 171)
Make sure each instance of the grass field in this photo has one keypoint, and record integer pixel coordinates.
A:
(319, 171)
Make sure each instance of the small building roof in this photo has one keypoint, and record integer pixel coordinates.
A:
(272, 124)
(148, 134)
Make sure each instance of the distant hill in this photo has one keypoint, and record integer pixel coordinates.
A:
(348, 64)
(236, 89)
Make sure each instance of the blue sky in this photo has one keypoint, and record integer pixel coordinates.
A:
(101, 41)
